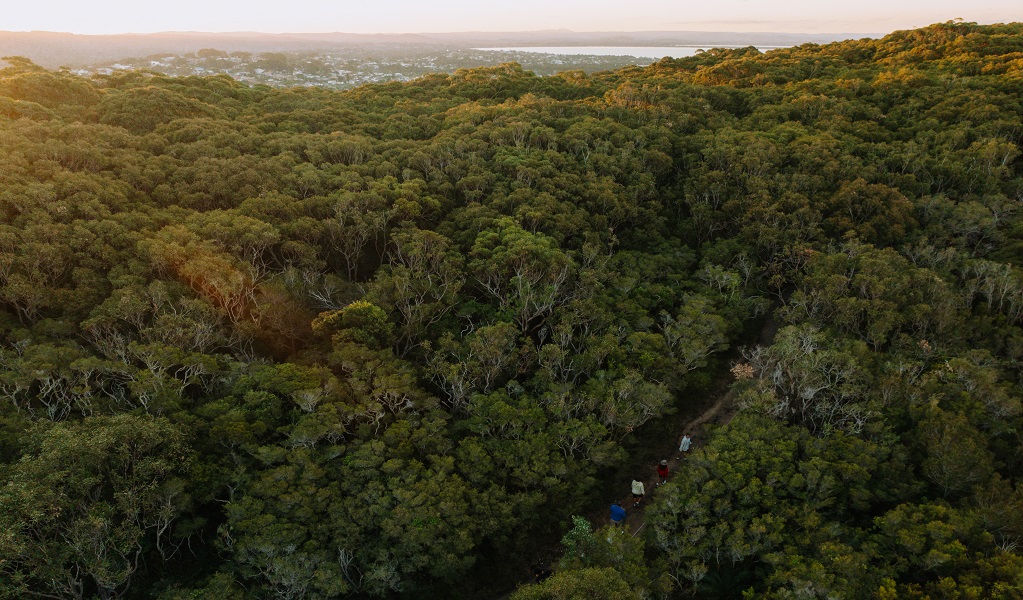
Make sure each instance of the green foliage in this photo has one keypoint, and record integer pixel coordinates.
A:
(87, 500)
(609, 547)
(376, 342)
(599, 584)
(957, 457)
(761, 492)
(359, 322)
(142, 109)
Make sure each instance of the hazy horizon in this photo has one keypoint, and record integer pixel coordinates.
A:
(109, 17)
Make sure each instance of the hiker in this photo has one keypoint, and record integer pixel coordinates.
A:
(540, 573)
(617, 513)
(637, 491)
(662, 472)
(684, 445)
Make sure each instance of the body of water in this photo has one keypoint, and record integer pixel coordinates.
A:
(637, 51)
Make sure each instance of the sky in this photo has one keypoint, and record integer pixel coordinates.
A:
(411, 16)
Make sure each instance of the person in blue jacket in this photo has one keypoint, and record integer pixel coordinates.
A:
(617, 514)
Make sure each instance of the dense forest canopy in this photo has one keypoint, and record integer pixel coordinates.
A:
(301, 343)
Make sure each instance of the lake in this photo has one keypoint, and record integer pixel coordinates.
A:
(637, 51)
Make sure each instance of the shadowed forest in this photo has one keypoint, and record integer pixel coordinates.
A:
(381, 343)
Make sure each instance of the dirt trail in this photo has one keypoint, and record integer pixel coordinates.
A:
(720, 412)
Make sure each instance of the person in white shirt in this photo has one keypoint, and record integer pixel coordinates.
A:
(685, 444)
(637, 492)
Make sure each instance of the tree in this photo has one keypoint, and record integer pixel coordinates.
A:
(773, 498)
(957, 455)
(598, 584)
(808, 378)
(694, 333)
(141, 110)
(421, 283)
(88, 502)
(608, 547)
(526, 273)
(876, 213)
(360, 221)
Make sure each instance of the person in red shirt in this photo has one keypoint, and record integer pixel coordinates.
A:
(662, 473)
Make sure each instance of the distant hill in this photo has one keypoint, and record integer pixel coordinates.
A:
(52, 50)
(564, 37)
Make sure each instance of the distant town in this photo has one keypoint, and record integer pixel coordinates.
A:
(348, 68)
(340, 60)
